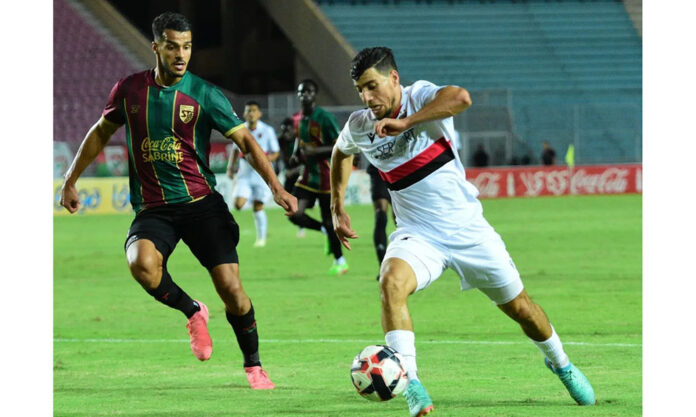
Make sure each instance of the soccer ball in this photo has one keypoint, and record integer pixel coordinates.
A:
(377, 373)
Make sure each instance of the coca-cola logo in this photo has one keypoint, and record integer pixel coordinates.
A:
(533, 182)
(488, 184)
(557, 182)
(546, 182)
(610, 181)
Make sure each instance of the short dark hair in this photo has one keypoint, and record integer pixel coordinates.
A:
(309, 81)
(379, 57)
(286, 122)
(169, 20)
(252, 103)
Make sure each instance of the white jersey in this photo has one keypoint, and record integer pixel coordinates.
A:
(266, 138)
(426, 180)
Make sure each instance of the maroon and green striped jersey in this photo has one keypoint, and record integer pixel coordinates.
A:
(168, 135)
(318, 129)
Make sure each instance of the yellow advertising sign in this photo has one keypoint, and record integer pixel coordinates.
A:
(97, 196)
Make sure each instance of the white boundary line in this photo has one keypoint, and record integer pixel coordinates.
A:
(360, 341)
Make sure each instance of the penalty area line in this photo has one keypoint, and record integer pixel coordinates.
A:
(351, 341)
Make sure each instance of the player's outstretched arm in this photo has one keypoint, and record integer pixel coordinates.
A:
(449, 101)
(319, 152)
(97, 137)
(259, 161)
(341, 167)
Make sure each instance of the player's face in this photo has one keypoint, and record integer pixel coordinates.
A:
(252, 113)
(378, 91)
(173, 52)
(307, 93)
(286, 132)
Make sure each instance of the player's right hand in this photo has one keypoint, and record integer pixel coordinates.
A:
(69, 198)
(287, 201)
(390, 127)
(341, 222)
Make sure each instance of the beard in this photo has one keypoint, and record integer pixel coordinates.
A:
(167, 70)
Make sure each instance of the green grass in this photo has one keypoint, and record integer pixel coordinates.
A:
(118, 352)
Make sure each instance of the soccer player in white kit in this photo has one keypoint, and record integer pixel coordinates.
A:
(406, 132)
(250, 185)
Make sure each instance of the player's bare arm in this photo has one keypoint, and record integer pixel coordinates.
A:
(448, 102)
(234, 156)
(319, 152)
(273, 156)
(341, 167)
(259, 161)
(96, 139)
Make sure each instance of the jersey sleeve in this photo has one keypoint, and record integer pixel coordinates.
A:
(423, 92)
(329, 128)
(220, 112)
(112, 111)
(345, 142)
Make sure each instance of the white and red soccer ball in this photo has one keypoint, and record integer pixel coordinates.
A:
(377, 373)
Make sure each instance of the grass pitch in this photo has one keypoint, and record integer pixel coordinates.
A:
(118, 352)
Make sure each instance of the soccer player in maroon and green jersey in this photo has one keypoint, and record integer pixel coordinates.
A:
(169, 114)
(316, 131)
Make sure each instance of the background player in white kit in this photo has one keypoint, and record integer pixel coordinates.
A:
(406, 133)
(250, 185)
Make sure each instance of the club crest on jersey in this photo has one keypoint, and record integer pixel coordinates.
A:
(314, 131)
(134, 108)
(186, 113)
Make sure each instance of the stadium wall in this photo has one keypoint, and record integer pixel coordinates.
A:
(111, 195)
(557, 180)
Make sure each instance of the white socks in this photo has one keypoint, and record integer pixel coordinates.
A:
(553, 349)
(340, 261)
(404, 342)
(260, 221)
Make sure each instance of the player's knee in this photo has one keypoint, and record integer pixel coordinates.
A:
(521, 310)
(239, 202)
(230, 287)
(146, 269)
(393, 286)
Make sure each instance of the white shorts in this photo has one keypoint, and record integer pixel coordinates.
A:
(486, 266)
(252, 187)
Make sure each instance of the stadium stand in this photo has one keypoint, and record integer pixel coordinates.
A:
(572, 69)
(564, 71)
(86, 66)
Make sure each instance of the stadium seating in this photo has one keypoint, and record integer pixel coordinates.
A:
(565, 63)
(86, 65)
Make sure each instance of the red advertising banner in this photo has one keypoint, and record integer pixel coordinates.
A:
(219, 155)
(556, 180)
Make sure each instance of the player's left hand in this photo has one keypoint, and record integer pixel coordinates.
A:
(287, 201)
(390, 127)
(69, 198)
(341, 222)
